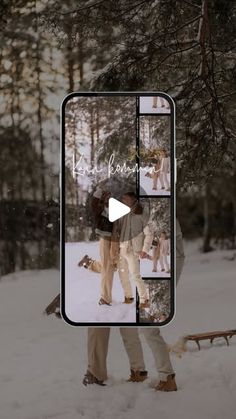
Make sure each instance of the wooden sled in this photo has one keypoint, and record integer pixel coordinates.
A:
(227, 334)
(54, 307)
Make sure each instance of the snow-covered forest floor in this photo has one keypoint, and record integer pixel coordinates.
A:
(146, 184)
(42, 360)
(83, 290)
(146, 267)
(146, 103)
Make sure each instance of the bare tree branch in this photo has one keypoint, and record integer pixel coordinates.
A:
(80, 9)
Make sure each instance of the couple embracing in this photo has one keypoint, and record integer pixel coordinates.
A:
(98, 340)
(122, 244)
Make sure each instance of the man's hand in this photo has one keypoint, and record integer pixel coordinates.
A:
(142, 254)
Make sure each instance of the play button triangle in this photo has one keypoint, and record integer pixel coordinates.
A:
(116, 209)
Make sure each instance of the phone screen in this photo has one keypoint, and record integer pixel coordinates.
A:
(118, 209)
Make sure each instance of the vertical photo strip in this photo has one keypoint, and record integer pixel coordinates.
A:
(156, 186)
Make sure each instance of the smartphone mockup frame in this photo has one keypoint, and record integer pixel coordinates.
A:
(144, 115)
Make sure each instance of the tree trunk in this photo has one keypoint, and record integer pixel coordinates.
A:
(81, 61)
(234, 226)
(92, 137)
(75, 154)
(70, 60)
(39, 111)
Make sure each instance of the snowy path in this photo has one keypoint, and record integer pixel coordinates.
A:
(145, 185)
(42, 360)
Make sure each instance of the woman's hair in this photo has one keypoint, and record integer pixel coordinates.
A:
(130, 194)
(164, 232)
(137, 207)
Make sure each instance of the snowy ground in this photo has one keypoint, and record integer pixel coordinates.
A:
(83, 290)
(146, 269)
(42, 360)
(146, 106)
(146, 185)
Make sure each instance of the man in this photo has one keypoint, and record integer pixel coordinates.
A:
(135, 241)
(164, 252)
(164, 103)
(104, 230)
(98, 344)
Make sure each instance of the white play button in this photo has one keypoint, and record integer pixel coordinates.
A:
(116, 209)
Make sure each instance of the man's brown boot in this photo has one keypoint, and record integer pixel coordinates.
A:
(128, 300)
(145, 304)
(169, 385)
(137, 376)
(89, 378)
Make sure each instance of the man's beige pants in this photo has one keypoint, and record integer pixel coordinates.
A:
(98, 339)
(163, 260)
(155, 177)
(164, 181)
(156, 342)
(129, 263)
(155, 256)
(154, 102)
(124, 268)
(107, 269)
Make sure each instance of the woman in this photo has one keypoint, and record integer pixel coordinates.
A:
(164, 252)
(164, 171)
(155, 253)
